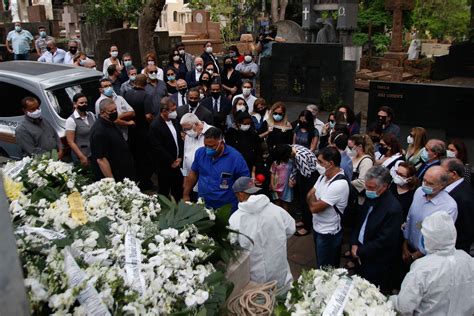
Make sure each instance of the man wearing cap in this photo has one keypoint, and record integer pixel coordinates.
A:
(268, 226)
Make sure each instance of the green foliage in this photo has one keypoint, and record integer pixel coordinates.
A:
(103, 10)
(381, 43)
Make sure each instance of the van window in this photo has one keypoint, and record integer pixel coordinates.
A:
(61, 98)
(11, 96)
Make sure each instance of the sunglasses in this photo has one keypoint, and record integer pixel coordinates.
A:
(153, 72)
(171, 74)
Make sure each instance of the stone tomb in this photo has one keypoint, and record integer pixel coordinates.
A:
(201, 30)
(305, 72)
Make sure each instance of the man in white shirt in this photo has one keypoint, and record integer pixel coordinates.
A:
(327, 201)
(268, 226)
(73, 47)
(53, 54)
(246, 94)
(124, 110)
(194, 129)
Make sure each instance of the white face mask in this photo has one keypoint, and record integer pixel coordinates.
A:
(246, 91)
(210, 72)
(399, 180)
(201, 96)
(244, 127)
(151, 62)
(153, 76)
(240, 108)
(209, 50)
(248, 58)
(192, 133)
(172, 115)
(34, 115)
(352, 152)
(320, 169)
(114, 54)
(199, 68)
(176, 58)
(450, 154)
(181, 51)
(409, 139)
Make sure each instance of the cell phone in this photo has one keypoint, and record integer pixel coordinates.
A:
(225, 179)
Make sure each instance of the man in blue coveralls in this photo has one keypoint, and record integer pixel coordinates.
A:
(215, 168)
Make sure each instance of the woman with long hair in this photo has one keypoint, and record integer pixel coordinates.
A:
(416, 141)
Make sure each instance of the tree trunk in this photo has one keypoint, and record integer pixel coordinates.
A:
(283, 4)
(274, 11)
(146, 25)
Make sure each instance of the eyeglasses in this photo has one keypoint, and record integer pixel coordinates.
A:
(153, 72)
(170, 74)
(210, 69)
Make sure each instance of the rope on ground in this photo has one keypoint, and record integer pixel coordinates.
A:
(258, 300)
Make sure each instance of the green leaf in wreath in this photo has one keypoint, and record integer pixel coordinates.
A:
(48, 193)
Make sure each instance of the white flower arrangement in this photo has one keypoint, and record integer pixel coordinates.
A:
(103, 241)
(317, 291)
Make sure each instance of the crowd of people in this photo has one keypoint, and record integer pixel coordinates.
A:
(198, 126)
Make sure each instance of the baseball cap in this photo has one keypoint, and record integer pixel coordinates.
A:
(245, 184)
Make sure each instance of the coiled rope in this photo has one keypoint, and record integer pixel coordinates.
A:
(258, 300)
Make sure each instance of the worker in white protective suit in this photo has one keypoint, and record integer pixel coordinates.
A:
(442, 282)
(269, 226)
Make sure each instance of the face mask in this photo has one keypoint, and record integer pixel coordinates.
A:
(383, 120)
(246, 91)
(352, 152)
(48, 49)
(409, 139)
(18, 28)
(114, 54)
(199, 68)
(173, 115)
(151, 62)
(43, 34)
(133, 78)
(424, 155)
(320, 169)
(426, 189)
(201, 96)
(192, 133)
(228, 65)
(211, 72)
(332, 124)
(244, 127)
(82, 62)
(450, 154)
(248, 58)
(183, 91)
(277, 117)
(240, 108)
(73, 50)
(216, 95)
(182, 52)
(127, 63)
(153, 76)
(211, 152)
(261, 111)
(371, 194)
(176, 58)
(82, 108)
(113, 116)
(34, 115)
(171, 78)
(399, 180)
(232, 54)
(383, 150)
(193, 104)
(209, 50)
(108, 92)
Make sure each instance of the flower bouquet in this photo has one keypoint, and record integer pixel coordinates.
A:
(334, 292)
(103, 248)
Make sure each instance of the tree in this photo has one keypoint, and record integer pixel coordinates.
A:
(278, 10)
(147, 23)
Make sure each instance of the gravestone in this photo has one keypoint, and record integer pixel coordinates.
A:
(126, 41)
(290, 31)
(440, 108)
(201, 30)
(37, 13)
(306, 72)
(70, 20)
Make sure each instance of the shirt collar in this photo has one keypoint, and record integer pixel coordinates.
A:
(450, 187)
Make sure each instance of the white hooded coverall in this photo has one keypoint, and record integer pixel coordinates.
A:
(442, 282)
(269, 226)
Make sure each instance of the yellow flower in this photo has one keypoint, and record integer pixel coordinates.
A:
(12, 189)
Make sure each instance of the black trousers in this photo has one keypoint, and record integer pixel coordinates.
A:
(306, 184)
(170, 182)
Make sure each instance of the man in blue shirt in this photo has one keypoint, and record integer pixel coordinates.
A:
(21, 41)
(215, 168)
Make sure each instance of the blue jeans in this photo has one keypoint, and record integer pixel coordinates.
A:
(328, 249)
(25, 56)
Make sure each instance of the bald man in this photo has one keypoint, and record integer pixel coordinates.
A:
(53, 54)
(431, 155)
(430, 198)
(192, 77)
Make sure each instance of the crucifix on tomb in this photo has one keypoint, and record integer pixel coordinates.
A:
(397, 7)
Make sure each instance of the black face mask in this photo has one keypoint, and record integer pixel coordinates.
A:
(383, 120)
(193, 104)
(113, 116)
(216, 95)
(82, 108)
(73, 50)
(183, 91)
(383, 150)
(48, 49)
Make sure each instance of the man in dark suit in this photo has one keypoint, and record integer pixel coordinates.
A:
(180, 97)
(463, 194)
(376, 238)
(167, 149)
(431, 155)
(195, 107)
(192, 77)
(218, 104)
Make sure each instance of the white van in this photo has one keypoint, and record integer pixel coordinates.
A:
(54, 85)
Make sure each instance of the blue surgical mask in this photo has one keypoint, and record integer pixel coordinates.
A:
(171, 78)
(108, 92)
(127, 63)
(427, 190)
(211, 152)
(18, 28)
(43, 34)
(424, 155)
(277, 117)
(133, 78)
(371, 194)
(332, 124)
